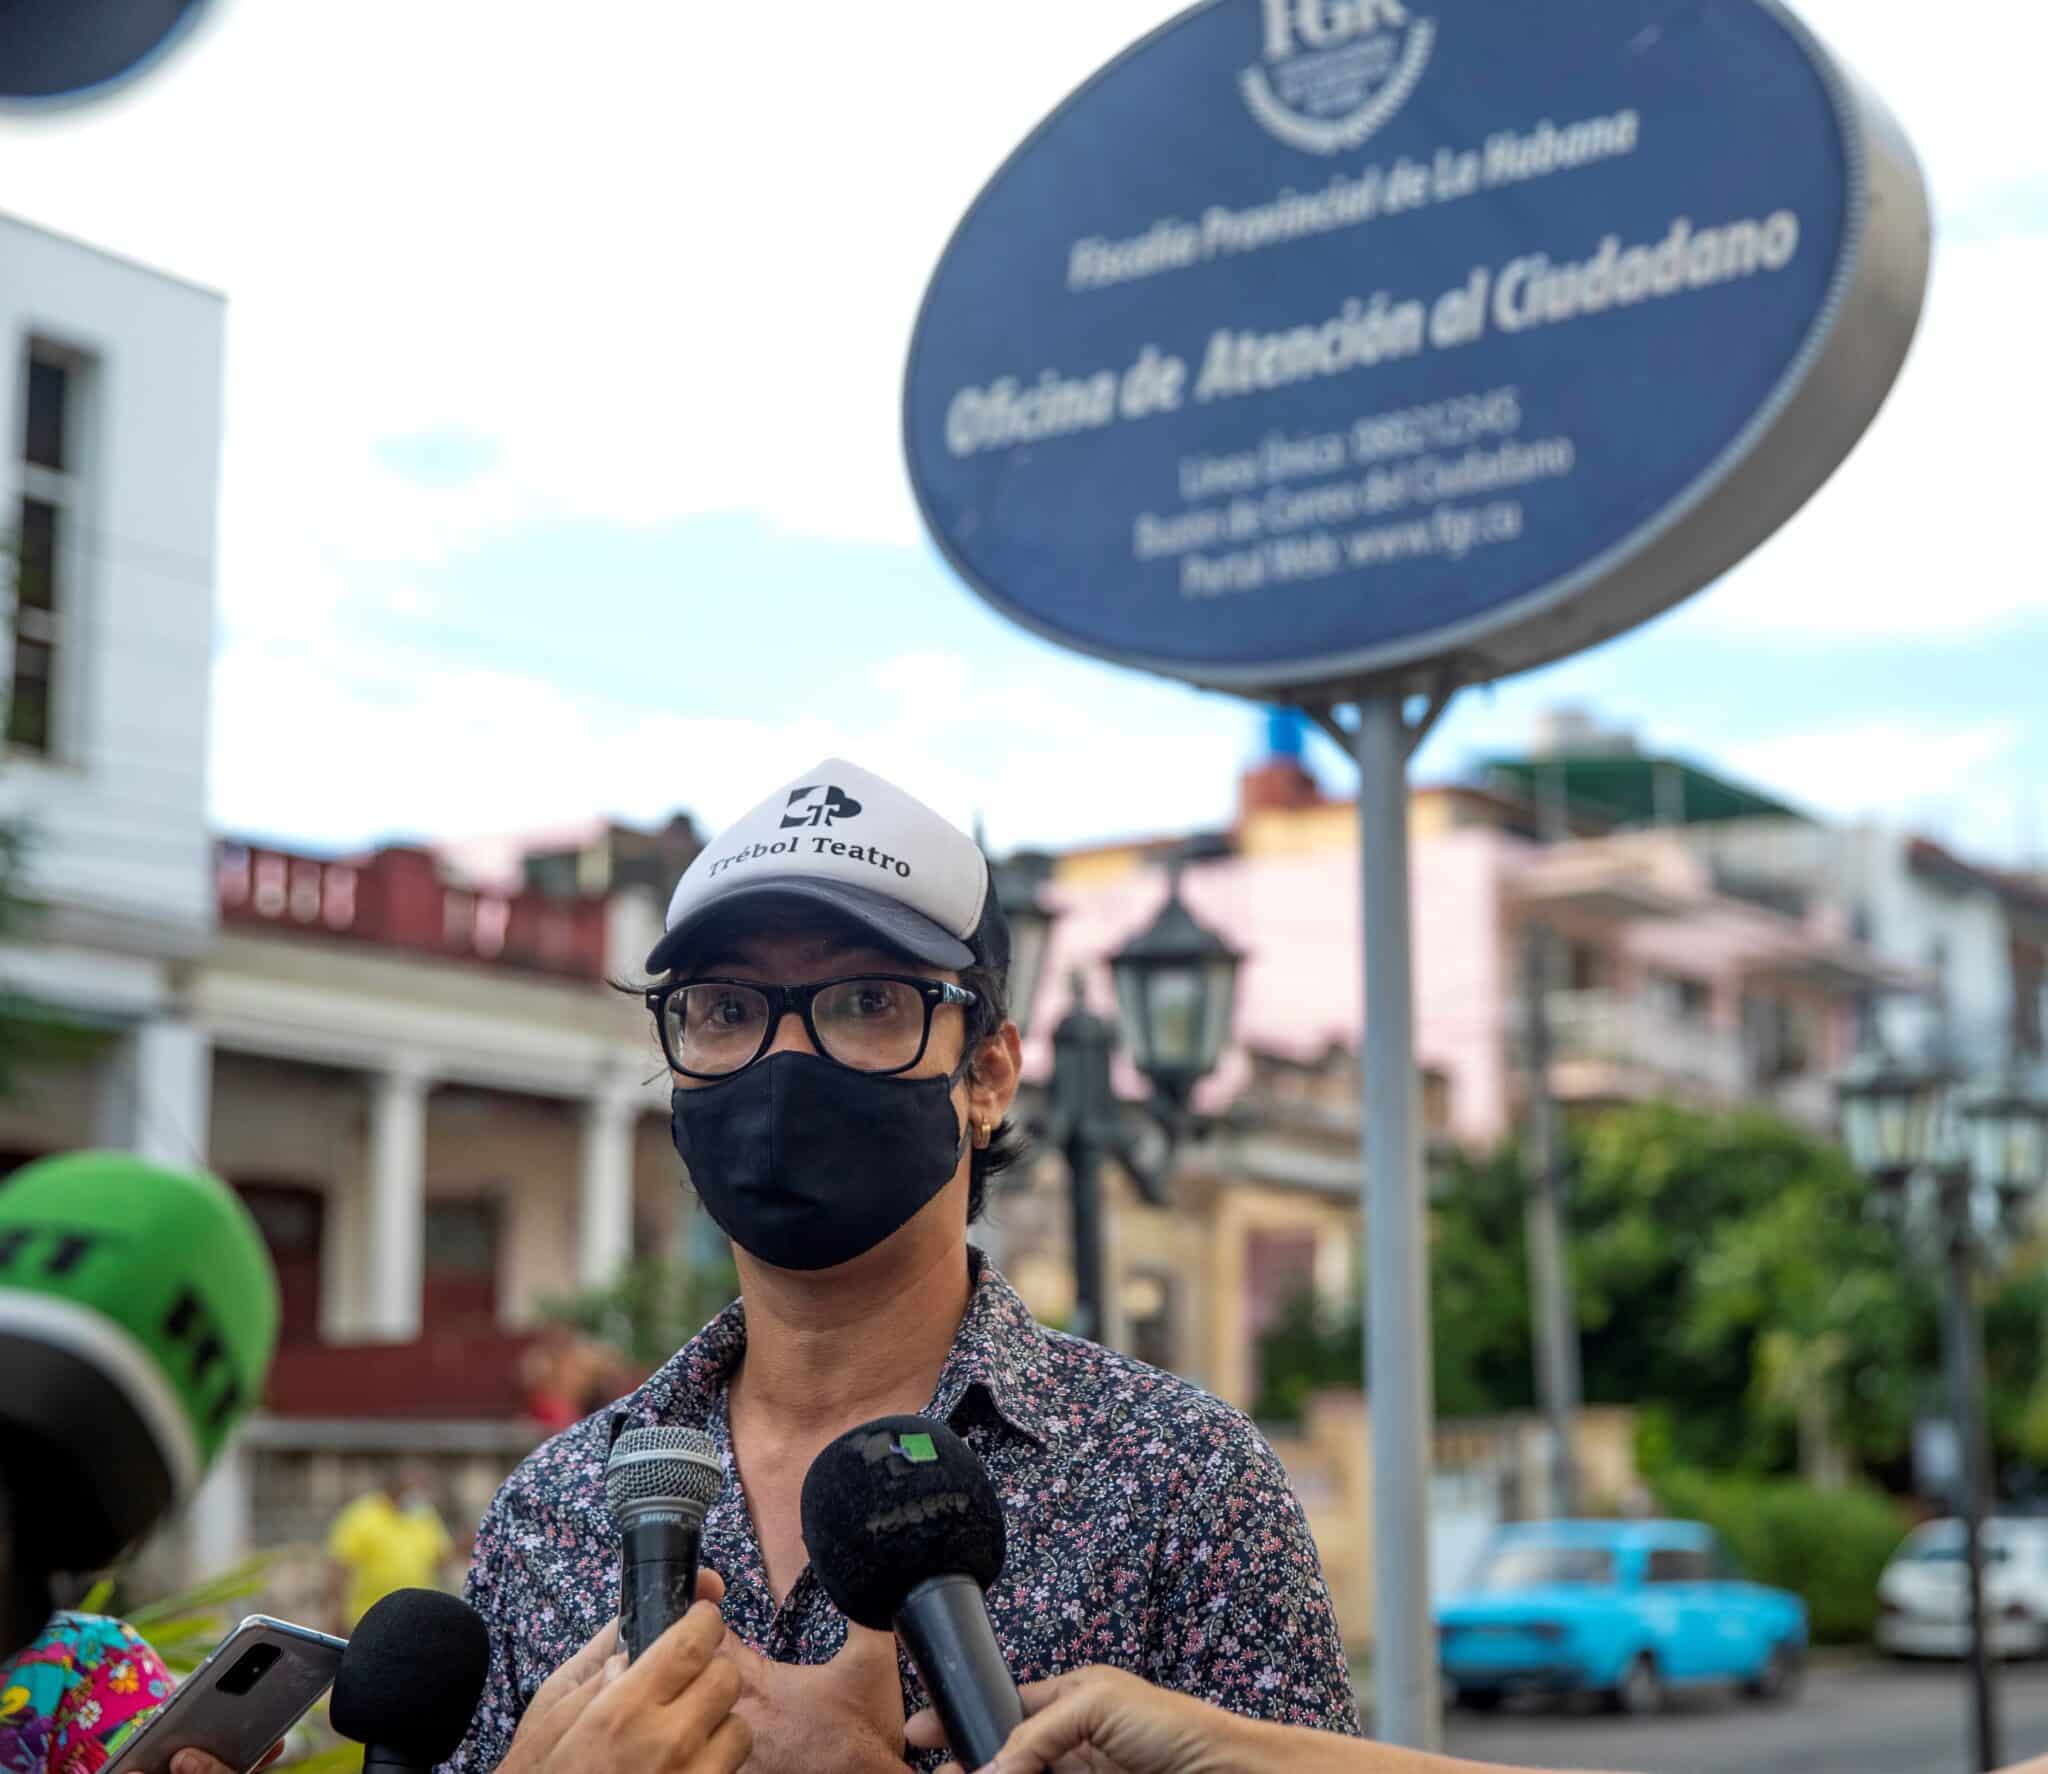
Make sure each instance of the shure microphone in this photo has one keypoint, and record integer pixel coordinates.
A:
(410, 1679)
(905, 1531)
(659, 1482)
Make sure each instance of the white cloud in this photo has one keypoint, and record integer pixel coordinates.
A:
(1963, 783)
(336, 745)
(1963, 76)
(1933, 526)
(666, 256)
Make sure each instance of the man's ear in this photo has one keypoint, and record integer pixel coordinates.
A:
(993, 1075)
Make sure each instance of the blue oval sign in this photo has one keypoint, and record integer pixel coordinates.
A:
(1320, 340)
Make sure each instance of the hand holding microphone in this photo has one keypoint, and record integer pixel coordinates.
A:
(668, 1711)
(905, 1531)
(1108, 1721)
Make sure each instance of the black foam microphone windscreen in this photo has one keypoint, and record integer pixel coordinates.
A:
(894, 1502)
(410, 1679)
(905, 1531)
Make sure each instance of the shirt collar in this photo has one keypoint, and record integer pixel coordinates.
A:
(999, 1352)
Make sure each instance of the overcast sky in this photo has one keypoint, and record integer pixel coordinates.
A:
(562, 470)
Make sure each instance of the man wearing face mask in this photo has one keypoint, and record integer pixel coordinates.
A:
(831, 1000)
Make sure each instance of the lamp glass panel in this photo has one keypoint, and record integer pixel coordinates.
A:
(2031, 1167)
(1029, 930)
(1219, 989)
(1132, 999)
(1939, 1135)
(1860, 1131)
(1892, 1116)
(1177, 1009)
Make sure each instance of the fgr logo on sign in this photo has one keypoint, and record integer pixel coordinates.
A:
(1336, 71)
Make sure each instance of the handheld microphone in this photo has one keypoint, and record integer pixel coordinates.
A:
(410, 1680)
(659, 1482)
(905, 1531)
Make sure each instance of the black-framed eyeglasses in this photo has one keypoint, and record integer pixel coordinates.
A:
(869, 1022)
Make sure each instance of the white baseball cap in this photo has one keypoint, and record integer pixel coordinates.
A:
(841, 839)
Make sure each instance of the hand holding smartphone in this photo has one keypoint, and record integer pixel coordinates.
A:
(256, 1684)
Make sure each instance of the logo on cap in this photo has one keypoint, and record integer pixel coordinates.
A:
(828, 812)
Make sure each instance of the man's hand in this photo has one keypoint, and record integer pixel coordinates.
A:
(846, 1715)
(1106, 1721)
(671, 1712)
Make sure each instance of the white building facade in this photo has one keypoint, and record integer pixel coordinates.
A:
(438, 1112)
(1946, 922)
(110, 387)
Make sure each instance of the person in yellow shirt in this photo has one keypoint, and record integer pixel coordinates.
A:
(388, 1539)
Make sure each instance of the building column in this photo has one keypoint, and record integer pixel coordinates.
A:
(397, 1217)
(219, 1523)
(155, 1094)
(605, 1198)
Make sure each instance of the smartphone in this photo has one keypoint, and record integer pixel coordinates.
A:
(257, 1683)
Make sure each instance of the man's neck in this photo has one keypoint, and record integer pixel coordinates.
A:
(867, 1343)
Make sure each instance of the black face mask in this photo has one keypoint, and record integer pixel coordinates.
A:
(806, 1164)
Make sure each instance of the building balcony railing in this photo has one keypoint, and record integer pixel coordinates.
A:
(396, 899)
(445, 1376)
(1609, 1044)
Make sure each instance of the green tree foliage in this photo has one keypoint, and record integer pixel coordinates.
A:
(1728, 1267)
(656, 1305)
(24, 1032)
(1313, 1347)
(1726, 1270)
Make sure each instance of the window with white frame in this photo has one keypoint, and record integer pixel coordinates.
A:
(45, 546)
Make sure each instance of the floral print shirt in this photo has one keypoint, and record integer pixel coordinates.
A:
(74, 1697)
(1149, 1526)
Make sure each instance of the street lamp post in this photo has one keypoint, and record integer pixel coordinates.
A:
(1176, 990)
(1961, 1172)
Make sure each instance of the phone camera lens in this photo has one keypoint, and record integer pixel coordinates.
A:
(249, 1669)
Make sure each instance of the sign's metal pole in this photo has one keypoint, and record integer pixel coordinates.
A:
(1399, 1387)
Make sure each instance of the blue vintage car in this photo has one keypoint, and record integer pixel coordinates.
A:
(1625, 1610)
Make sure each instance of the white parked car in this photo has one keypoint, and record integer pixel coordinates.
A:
(1923, 1598)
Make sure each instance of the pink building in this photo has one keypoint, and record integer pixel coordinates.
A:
(1663, 985)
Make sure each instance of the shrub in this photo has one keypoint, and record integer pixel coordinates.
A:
(1827, 1547)
(651, 1308)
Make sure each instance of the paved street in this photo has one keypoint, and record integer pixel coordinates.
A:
(1852, 1718)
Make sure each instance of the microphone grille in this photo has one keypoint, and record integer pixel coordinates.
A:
(663, 1465)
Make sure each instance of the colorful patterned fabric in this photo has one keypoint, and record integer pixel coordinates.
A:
(1150, 1526)
(77, 1694)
